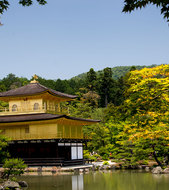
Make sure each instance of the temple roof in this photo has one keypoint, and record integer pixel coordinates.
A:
(33, 89)
(39, 117)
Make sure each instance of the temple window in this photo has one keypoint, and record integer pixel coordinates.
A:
(36, 106)
(14, 107)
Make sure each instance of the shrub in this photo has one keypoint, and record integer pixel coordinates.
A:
(105, 163)
(13, 166)
(105, 157)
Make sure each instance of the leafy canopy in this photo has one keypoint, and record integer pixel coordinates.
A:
(13, 166)
(4, 4)
(147, 106)
(131, 5)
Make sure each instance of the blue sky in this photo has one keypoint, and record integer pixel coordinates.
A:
(68, 37)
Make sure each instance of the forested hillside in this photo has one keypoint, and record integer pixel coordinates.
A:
(117, 72)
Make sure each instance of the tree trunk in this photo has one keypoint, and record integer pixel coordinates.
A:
(167, 160)
(156, 159)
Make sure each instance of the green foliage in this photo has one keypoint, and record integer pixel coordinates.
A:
(146, 128)
(4, 4)
(131, 5)
(3, 146)
(87, 155)
(105, 163)
(3, 105)
(91, 80)
(117, 72)
(11, 82)
(13, 167)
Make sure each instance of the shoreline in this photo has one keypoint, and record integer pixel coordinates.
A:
(86, 168)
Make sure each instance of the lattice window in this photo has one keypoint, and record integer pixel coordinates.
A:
(36, 106)
(14, 107)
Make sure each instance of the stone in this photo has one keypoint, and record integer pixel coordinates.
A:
(81, 170)
(166, 171)
(157, 170)
(11, 185)
(105, 167)
(23, 183)
(87, 170)
(76, 171)
(113, 167)
(39, 169)
(147, 169)
(54, 169)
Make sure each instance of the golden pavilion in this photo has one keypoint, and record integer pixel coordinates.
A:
(39, 132)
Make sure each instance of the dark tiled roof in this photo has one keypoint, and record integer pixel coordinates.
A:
(33, 88)
(81, 119)
(28, 117)
(38, 117)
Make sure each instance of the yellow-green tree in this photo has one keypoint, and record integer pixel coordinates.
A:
(147, 112)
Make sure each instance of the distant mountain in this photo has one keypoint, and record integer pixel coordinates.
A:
(117, 71)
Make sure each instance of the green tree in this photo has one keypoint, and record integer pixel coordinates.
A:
(4, 4)
(131, 5)
(91, 80)
(92, 98)
(147, 117)
(106, 86)
(11, 82)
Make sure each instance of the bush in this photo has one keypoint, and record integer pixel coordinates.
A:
(105, 157)
(105, 163)
(87, 155)
(13, 167)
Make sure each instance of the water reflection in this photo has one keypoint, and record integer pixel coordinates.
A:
(113, 180)
(77, 182)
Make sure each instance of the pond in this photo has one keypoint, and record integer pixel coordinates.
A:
(109, 180)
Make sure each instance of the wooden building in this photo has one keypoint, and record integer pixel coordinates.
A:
(40, 131)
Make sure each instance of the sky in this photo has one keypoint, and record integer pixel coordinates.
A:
(68, 37)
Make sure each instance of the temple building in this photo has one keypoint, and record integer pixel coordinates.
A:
(39, 130)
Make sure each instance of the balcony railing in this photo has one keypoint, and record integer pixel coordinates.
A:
(31, 110)
(45, 136)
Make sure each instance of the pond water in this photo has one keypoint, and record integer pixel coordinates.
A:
(111, 180)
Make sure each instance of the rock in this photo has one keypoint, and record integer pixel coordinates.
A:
(1, 188)
(144, 166)
(105, 167)
(76, 171)
(23, 183)
(101, 168)
(113, 167)
(147, 169)
(157, 170)
(11, 185)
(39, 169)
(166, 171)
(87, 170)
(54, 169)
(81, 170)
